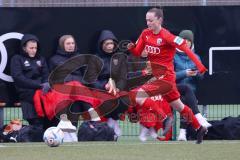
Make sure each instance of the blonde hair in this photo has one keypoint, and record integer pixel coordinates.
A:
(63, 38)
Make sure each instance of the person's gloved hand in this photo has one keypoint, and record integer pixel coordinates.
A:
(45, 87)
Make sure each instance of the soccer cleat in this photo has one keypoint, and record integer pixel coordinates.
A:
(202, 120)
(200, 134)
(167, 125)
(207, 125)
(143, 133)
(182, 135)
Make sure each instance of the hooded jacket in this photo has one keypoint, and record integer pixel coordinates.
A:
(60, 58)
(28, 72)
(181, 63)
(114, 65)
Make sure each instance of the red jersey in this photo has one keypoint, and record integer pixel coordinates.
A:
(161, 49)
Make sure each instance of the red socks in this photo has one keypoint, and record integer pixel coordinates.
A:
(189, 116)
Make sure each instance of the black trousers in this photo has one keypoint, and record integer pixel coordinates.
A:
(188, 97)
(114, 108)
(74, 111)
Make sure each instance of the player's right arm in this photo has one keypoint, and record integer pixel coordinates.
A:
(137, 48)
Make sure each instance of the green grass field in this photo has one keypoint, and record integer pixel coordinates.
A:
(215, 112)
(124, 149)
(128, 147)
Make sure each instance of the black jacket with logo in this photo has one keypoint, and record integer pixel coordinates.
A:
(113, 66)
(28, 72)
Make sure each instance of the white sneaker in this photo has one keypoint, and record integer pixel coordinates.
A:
(70, 137)
(153, 133)
(93, 114)
(117, 128)
(143, 133)
(202, 120)
(110, 123)
(182, 135)
(66, 125)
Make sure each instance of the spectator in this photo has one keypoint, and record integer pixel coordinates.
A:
(67, 49)
(186, 70)
(186, 78)
(112, 76)
(30, 72)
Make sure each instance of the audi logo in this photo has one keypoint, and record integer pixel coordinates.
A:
(4, 55)
(152, 50)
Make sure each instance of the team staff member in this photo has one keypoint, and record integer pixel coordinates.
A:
(30, 72)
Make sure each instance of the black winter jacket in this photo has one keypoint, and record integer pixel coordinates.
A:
(28, 72)
(60, 58)
(113, 66)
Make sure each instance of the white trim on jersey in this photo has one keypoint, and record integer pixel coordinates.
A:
(178, 40)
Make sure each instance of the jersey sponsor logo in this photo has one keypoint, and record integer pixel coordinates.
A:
(159, 41)
(26, 63)
(39, 63)
(152, 50)
(147, 38)
(178, 40)
(115, 62)
(157, 98)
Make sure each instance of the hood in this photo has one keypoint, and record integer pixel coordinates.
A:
(26, 38)
(66, 54)
(62, 52)
(105, 34)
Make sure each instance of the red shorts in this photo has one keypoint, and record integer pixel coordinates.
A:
(165, 86)
(172, 95)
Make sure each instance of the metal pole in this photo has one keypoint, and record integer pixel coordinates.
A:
(1, 116)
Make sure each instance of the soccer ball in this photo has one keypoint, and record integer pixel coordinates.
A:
(53, 136)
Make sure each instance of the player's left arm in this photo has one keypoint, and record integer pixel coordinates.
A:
(181, 44)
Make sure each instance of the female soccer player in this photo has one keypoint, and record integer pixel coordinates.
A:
(160, 46)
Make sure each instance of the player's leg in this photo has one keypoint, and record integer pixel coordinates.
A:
(188, 97)
(146, 102)
(188, 115)
(143, 99)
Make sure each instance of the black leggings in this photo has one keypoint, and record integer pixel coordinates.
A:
(114, 109)
(74, 111)
(188, 97)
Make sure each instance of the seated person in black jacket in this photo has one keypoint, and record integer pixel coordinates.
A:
(30, 72)
(67, 49)
(111, 76)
